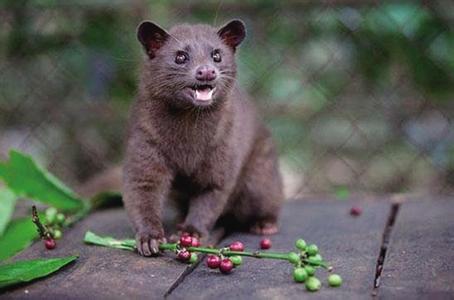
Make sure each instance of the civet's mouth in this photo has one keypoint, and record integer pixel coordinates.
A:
(203, 92)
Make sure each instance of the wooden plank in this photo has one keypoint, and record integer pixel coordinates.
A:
(420, 259)
(99, 272)
(350, 244)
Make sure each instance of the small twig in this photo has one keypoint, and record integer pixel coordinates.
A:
(130, 245)
(44, 233)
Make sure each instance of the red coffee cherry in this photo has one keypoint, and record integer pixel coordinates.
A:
(356, 211)
(265, 244)
(195, 242)
(226, 266)
(186, 241)
(237, 246)
(50, 244)
(213, 261)
(184, 255)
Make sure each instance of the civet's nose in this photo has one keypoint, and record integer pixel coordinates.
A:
(205, 73)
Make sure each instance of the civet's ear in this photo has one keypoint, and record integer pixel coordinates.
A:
(233, 33)
(152, 37)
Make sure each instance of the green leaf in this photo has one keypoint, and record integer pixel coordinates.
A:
(91, 238)
(25, 178)
(19, 234)
(7, 203)
(28, 270)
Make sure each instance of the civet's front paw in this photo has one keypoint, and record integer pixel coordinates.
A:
(148, 243)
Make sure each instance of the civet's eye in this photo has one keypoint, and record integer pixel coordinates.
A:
(181, 57)
(216, 55)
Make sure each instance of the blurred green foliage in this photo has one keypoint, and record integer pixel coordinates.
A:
(19, 234)
(26, 179)
(358, 95)
(7, 204)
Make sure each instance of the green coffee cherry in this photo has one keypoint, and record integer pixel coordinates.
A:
(236, 260)
(334, 280)
(51, 213)
(60, 218)
(310, 270)
(312, 249)
(317, 258)
(300, 244)
(293, 258)
(57, 234)
(299, 274)
(313, 284)
(193, 258)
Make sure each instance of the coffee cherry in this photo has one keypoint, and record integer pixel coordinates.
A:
(193, 258)
(312, 249)
(310, 270)
(51, 214)
(184, 255)
(226, 266)
(299, 274)
(185, 241)
(50, 244)
(300, 244)
(213, 261)
(293, 258)
(355, 211)
(60, 218)
(317, 258)
(195, 242)
(236, 246)
(57, 234)
(265, 244)
(334, 280)
(236, 260)
(313, 284)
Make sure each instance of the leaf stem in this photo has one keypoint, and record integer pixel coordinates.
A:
(225, 252)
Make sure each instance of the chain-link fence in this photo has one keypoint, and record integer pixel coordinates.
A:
(359, 94)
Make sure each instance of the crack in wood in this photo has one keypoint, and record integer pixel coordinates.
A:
(215, 238)
(183, 275)
(384, 246)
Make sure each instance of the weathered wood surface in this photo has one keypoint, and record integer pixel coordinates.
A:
(99, 273)
(419, 262)
(420, 259)
(348, 243)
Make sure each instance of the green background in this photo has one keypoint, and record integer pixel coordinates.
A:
(359, 95)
